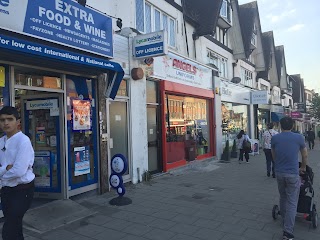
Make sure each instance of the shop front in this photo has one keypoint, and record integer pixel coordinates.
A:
(235, 111)
(51, 74)
(186, 99)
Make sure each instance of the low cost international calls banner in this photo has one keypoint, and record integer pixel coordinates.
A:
(61, 21)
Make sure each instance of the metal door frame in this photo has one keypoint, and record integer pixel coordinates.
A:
(159, 129)
(126, 178)
(63, 180)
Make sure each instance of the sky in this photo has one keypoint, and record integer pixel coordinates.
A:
(296, 26)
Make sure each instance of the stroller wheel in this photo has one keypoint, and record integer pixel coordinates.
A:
(275, 212)
(314, 216)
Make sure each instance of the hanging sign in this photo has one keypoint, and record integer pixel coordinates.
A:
(150, 45)
(42, 104)
(60, 21)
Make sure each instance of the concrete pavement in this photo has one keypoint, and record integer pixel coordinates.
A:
(204, 200)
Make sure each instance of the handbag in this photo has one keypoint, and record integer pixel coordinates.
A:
(246, 145)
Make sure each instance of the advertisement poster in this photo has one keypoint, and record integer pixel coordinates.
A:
(40, 135)
(81, 114)
(41, 169)
(82, 161)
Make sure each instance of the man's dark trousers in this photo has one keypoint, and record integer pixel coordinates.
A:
(15, 203)
(269, 161)
(311, 143)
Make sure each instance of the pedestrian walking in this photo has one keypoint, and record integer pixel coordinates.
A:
(311, 136)
(285, 148)
(244, 145)
(267, 136)
(16, 174)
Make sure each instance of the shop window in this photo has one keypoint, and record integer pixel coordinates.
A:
(234, 118)
(81, 128)
(36, 78)
(187, 121)
(151, 19)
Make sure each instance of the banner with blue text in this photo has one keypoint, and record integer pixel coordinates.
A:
(60, 21)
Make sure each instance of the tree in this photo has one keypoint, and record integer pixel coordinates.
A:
(315, 106)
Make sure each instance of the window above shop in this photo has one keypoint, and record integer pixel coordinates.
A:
(246, 77)
(220, 62)
(151, 19)
(226, 11)
(123, 89)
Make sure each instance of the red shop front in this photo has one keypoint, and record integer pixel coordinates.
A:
(187, 101)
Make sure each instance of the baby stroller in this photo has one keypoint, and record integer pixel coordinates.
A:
(306, 203)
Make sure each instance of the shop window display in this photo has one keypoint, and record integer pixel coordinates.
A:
(187, 124)
(234, 119)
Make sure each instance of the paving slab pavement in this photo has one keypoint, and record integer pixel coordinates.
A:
(204, 200)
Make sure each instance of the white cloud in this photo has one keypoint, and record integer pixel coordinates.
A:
(277, 18)
(295, 28)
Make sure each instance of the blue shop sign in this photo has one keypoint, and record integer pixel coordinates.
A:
(150, 45)
(60, 21)
(60, 54)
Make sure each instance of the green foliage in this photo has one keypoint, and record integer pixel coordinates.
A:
(315, 106)
(234, 151)
(226, 152)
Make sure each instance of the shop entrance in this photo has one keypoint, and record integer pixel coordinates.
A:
(42, 120)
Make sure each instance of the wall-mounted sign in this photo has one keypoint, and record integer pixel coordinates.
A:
(235, 94)
(277, 109)
(60, 21)
(259, 97)
(181, 70)
(42, 104)
(150, 45)
(63, 55)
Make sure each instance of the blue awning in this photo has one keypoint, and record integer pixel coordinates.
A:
(60, 54)
(275, 117)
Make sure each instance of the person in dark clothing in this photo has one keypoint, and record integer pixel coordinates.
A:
(241, 138)
(310, 138)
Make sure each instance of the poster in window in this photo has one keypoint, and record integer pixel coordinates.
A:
(41, 169)
(81, 114)
(81, 160)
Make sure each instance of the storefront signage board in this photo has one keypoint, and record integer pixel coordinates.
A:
(150, 45)
(42, 104)
(259, 97)
(63, 55)
(181, 70)
(60, 21)
(235, 94)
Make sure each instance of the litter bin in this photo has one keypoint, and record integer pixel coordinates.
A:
(190, 150)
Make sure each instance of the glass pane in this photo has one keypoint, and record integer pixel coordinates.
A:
(148, 18)
(223, 10)
(119, 129)
(139, 15)
(172, 33)
(82, 155)
(122, 91)
(152, 92)
(187, 124)
(165, 21)
(157, 26)
(37, 78)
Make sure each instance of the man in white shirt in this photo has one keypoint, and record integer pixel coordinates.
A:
(16, 173)
(267, 135)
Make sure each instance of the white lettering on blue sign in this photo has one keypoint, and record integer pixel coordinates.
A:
(4, 3)
(60, 21)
